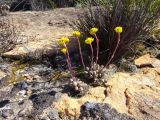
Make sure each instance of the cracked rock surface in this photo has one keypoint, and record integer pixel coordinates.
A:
(136, 95)
(101, 111)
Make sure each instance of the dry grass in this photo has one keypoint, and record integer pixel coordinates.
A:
(9, 34)
(138, 19)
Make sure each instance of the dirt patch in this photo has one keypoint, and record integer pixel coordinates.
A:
(47, 24)
(41, 30)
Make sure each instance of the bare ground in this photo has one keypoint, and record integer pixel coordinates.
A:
(41, 30)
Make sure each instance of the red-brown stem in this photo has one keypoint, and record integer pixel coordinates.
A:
(92, 53)
(69, 60)
(97, 42)
(68, 64)
(80, 51)
(118, 41)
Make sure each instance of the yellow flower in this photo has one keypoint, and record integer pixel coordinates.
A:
(76, 33)
(63, 40)
(93, 30)
(64, 50)
(89, 40)
(118, 29)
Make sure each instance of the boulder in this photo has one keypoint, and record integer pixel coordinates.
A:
(3, 78)
(32, 50)
(147, 60)
(40, 32)
(136, 95)
(101, 111)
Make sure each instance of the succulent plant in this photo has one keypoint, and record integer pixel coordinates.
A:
(98, 74)
(80, 87)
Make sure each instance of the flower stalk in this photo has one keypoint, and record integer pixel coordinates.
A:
(118, 30)
(89, 41)
(77, 35)
(80, 51)
(64, 50)
(97, 41)
(63, 42)
(93, 32)
(69, 61)
(91, 53)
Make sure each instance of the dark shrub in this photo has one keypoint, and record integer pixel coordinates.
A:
(84, 3)
(40, 4)
(25, 5)
(20, 5)
(64, 3)
(137, 17)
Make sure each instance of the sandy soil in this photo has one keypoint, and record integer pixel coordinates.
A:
(45, 24)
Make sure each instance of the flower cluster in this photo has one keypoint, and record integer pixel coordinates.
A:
(118, 29)
(94, 72)
(63, 40)
(76, 33)
(93, 31)
(64, 50)
(89, 40)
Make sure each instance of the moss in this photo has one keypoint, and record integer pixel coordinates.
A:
(59, 75)
(16, 66)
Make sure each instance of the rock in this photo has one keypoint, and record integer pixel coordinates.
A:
(3, 78)
(101, 111)
(37, 49)
(37, 73)
(21, 85)
(32, 50)
(2, 75)
(36, 77)
(20, 88)
(147, 60)
(53, 114)
(15, 110)
(71, 106)
(42, 38)
(5, 113)
(24, 112)
(36, 70)
(4, 67)
(3, 103)
(127, 66)
(42, 101)
(49, 114)
(133, 94)
(22, 93)
(1, 59)
(5, 93)
(44, 118)
(156, 63)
